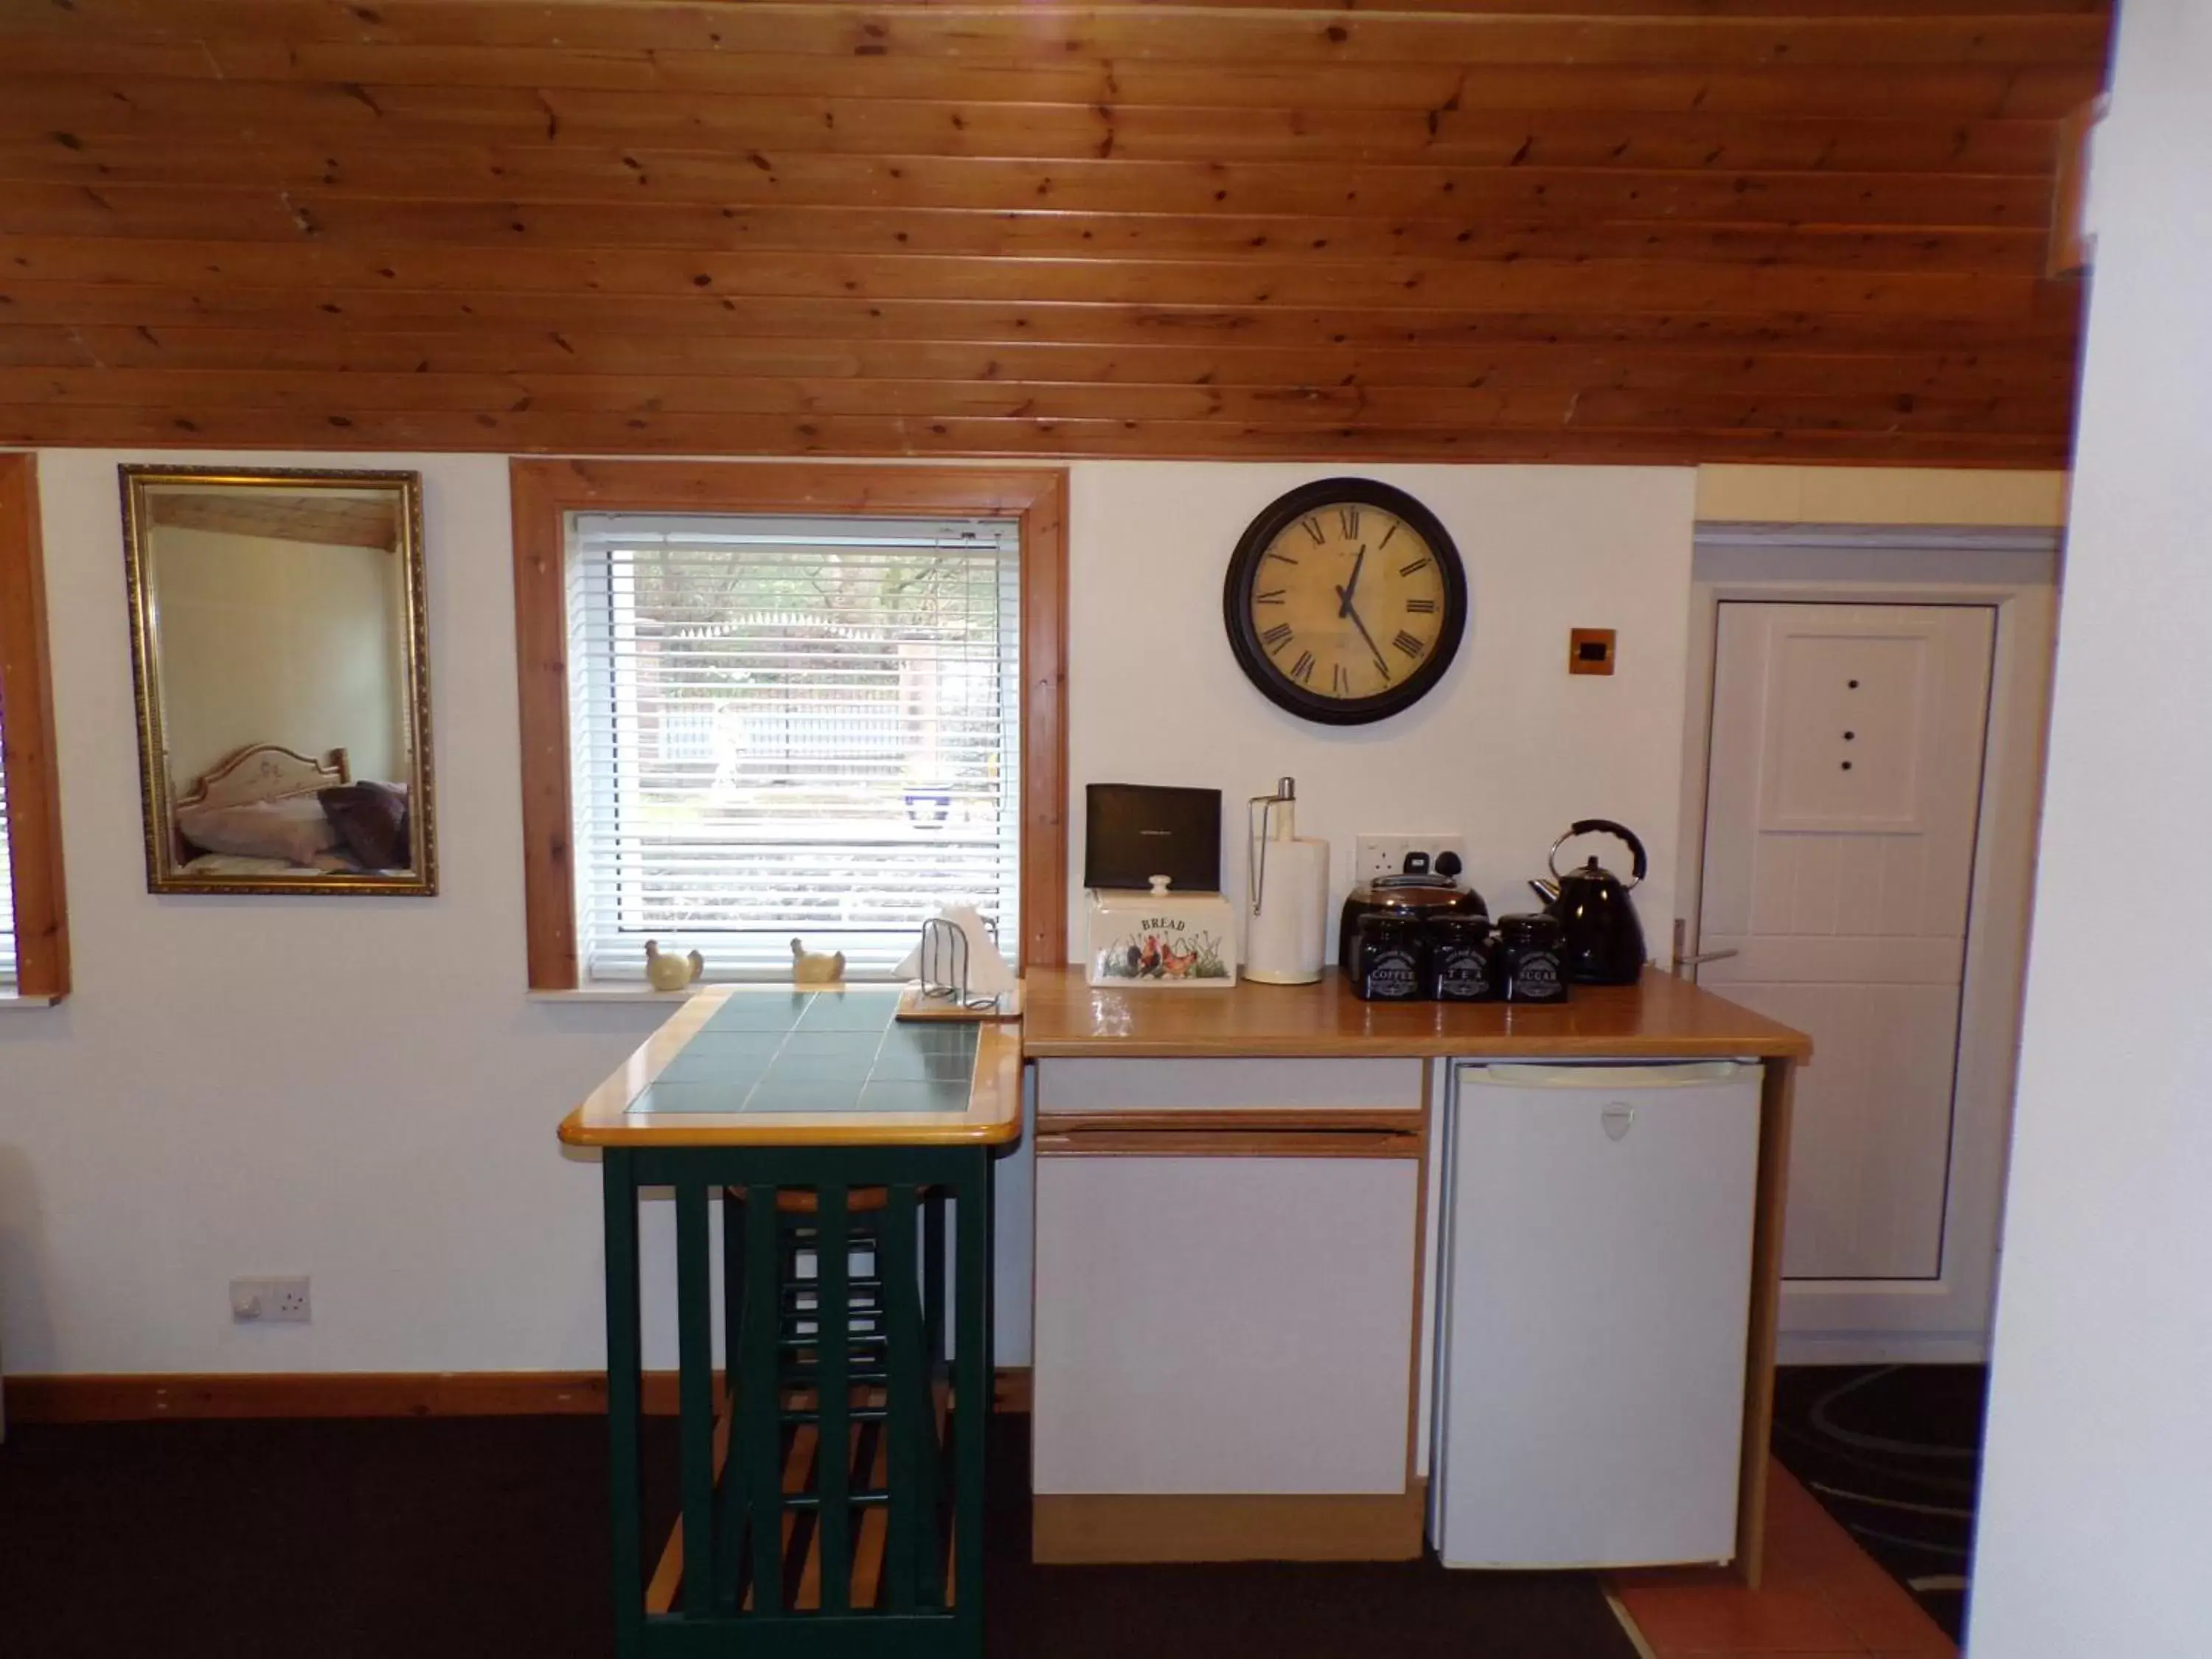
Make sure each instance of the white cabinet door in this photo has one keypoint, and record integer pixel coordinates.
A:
(1224, 1325)
(1841, 816)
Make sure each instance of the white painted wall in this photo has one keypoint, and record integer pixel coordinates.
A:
(2097, 1500)
(1881, 495)
(263, 640)
(357, 1088)
(1509, 750)
(351, 1088)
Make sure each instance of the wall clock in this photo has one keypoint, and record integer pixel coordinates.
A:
(1346, 601)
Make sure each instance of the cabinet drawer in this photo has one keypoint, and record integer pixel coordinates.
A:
(1146, 1086)
(1074, 1138)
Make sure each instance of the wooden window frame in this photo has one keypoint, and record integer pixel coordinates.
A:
(545, 492)
(34, 814)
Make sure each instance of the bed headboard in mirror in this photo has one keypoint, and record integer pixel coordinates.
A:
(281, 654)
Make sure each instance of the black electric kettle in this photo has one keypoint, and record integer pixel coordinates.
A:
(1604, 942)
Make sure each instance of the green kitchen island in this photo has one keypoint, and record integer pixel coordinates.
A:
(832, 1483)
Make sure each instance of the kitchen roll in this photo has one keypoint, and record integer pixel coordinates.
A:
(1285, 943)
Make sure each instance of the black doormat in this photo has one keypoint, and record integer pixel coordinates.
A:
(366, 1540)
(1894, 1453)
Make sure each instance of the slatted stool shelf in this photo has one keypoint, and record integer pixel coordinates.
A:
(843, 1329)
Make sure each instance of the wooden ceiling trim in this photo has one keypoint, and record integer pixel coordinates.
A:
(528, 433)
(1472, 286)
(1901, 91)
(321, 518)
(162, 213)
(1107, 324)
(1648, 367)
(732, 182)
(33, 110)
(480, 22)
(1553, 407)
(1519, 34)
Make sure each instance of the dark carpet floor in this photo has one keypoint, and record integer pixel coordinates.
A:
(429, 1539)
(1893, 1452)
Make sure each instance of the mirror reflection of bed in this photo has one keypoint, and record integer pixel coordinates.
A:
(285, 720)
(266, 811)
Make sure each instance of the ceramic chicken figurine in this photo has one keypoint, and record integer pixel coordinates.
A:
(667, 971)
(809, 968)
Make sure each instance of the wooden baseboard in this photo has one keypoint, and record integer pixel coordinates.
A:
(1072, 1529)
(145, 1398)
(126, 1398)
(1011, 1388)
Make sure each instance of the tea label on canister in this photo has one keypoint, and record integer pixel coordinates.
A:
(1463, 973)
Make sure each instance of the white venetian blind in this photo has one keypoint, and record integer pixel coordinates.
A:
(7, 875)
(788, 727)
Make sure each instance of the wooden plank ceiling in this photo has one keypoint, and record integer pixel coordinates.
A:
(1632, 230)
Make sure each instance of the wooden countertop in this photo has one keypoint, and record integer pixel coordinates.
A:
(1660, 1017)
(726, 1076)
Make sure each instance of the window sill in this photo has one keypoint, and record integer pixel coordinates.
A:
(22, 999)
(606, 993)
(616, 993)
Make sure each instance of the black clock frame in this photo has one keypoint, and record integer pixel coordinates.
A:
(1243, 636)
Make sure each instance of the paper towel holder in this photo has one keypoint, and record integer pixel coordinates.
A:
(1257, 811)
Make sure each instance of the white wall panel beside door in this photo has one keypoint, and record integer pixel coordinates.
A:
(1870, 1155)
(1842, 810)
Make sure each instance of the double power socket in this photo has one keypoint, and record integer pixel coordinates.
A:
(1385, 855)
(270, 1301)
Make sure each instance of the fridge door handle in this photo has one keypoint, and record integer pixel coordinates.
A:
(1694, 1074)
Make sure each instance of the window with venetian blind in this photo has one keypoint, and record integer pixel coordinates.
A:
(7, 875)
(789, 726)
(33, 919)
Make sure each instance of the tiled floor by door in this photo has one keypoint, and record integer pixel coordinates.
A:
(1824, 1598)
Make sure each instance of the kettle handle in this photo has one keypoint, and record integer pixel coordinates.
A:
(1601, 827)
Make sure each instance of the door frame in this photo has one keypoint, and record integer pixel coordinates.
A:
(2015, 571)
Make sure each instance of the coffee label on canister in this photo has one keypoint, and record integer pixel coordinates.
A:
(1392, 974)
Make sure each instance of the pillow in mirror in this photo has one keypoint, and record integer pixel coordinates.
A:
(293, 828)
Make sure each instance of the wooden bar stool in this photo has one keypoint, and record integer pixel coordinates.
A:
(834, 1313)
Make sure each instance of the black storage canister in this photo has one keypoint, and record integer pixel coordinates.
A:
(1388, 959)
(1463, 966)
(1528, 949)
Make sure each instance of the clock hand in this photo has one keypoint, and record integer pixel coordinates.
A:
(1381, 662)
(1344, 594)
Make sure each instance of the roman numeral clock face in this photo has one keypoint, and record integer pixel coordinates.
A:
(1346, 601)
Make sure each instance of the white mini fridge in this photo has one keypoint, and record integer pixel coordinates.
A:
(1595, 1290)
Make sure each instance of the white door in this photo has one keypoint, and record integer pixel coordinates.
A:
(1844, 790)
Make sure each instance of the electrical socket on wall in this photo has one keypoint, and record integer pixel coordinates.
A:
(1385, 855)
(270, 1301)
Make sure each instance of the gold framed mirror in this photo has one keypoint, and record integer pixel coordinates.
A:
(282, 662)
